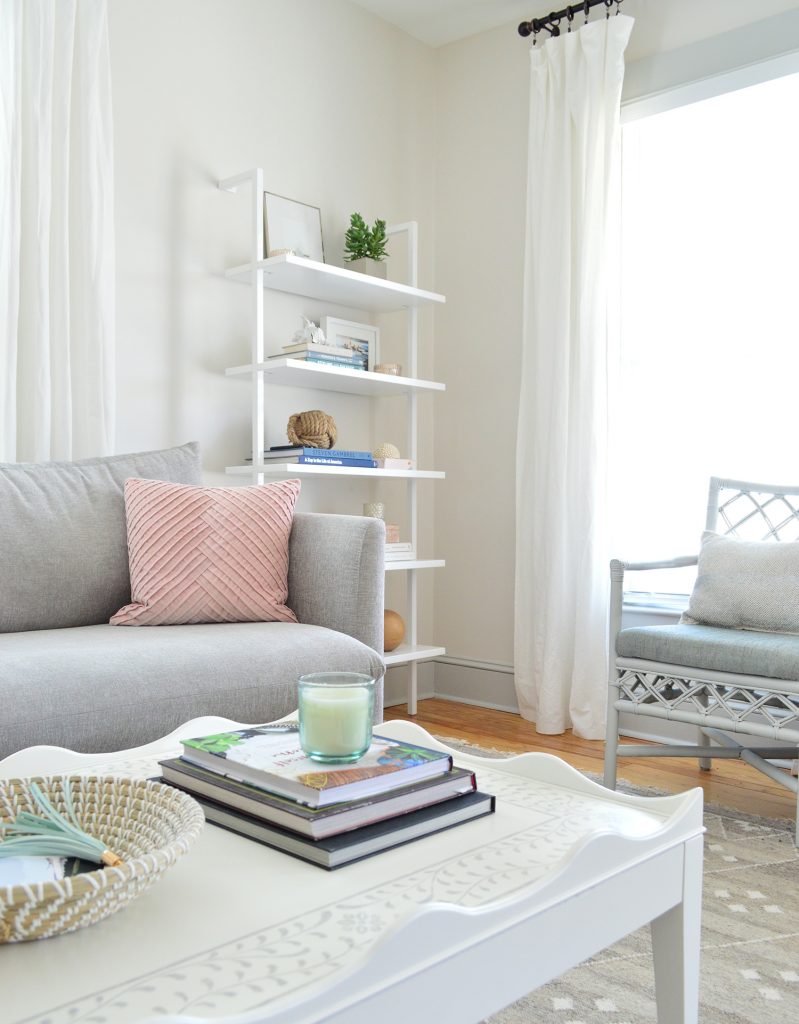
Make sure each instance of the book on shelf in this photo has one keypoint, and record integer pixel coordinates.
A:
(336, 851)
(312, 460)
(334, 453)
(395, 463)
(315, 822)
(399, 551)
(323, 460)
(313, 346)
(291, 452)
(356, 358)
(341, 364)
(275, 762)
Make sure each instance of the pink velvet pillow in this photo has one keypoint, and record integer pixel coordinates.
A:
(207, 554)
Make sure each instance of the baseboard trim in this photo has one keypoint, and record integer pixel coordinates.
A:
(490, 705)
(484, 684)
(485, 666)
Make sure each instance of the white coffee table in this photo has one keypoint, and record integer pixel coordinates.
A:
(450, 928)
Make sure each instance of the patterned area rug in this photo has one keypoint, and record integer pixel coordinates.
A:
(750, 938)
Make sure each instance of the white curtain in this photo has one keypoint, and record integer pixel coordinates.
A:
(56, 231)
(561, 467)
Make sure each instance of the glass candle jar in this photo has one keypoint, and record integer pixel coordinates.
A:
(335, 712)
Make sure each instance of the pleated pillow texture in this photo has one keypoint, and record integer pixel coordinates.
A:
(207, 554)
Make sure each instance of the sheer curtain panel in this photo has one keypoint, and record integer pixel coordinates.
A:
(56, 231)
(561, 461)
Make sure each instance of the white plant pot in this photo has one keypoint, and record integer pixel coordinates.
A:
(374, 268)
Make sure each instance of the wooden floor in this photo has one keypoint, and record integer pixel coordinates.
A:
(730, 783)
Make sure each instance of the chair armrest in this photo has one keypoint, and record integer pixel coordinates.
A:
(337, 574)
(670, 563)
(617, 570)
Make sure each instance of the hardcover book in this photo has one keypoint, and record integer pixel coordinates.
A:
(336, 851)
(314, 346)
(315, 822)
(275, 762)
(327, 460)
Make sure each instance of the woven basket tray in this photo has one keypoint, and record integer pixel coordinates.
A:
(147, 824)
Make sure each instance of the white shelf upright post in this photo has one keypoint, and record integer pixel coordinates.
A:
(411, 229)
(255, 178)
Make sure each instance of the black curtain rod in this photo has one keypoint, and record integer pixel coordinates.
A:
(552, 21)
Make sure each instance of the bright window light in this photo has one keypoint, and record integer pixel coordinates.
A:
(709, 316)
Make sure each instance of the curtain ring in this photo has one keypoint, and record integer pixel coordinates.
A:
(570, 16)
(586, 9)
(608, 5)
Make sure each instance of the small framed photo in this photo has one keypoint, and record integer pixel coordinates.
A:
(292, 227)
(362, 338)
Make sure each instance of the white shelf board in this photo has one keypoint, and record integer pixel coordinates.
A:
(300, 374)
(416, 563)
(405, 653)
(326, 283)
(282, 469)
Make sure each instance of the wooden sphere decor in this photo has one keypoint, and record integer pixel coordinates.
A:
(393, 630)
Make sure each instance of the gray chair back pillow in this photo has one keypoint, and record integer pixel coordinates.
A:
(63, 538)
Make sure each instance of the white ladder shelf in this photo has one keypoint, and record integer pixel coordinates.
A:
(343, 287)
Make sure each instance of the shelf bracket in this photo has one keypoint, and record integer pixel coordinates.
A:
(245, 178)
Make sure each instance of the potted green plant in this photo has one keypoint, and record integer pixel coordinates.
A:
(365, 247)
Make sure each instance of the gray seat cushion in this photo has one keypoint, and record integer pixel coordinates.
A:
(63, 538)
(96, 688)
(774, 655)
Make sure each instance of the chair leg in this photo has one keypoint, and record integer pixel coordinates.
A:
(611, 737)
(796, 823)
(705, 763)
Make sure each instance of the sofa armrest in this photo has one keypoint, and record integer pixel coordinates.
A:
(337, 574)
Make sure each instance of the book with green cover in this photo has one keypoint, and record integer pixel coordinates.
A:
(315, 822)
(275, 762)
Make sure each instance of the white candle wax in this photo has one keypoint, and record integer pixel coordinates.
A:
(335, 720)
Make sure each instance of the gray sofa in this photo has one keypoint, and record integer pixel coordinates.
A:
(67, 678)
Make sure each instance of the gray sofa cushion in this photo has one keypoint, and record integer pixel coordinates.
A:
(774, 655)
(98, 688)
(63, 541)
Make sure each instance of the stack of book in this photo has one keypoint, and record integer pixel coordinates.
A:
(400, 551)
(258, 783)
(319, 456)
(325, 355)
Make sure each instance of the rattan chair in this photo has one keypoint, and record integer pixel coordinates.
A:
(693, 674)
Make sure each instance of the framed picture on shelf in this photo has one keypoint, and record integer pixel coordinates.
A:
(361, 338)
(292, 228)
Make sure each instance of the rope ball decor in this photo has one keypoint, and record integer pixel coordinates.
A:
(312, 429)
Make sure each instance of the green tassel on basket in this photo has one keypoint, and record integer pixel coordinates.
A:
(52, 835)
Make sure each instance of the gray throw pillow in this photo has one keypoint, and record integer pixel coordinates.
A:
(63, 537)
(744, 584)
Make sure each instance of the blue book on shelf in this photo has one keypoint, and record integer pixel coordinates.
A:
(336, 453)
(325, 460)
(353, 364)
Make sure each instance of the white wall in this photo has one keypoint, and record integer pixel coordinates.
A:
(482, 102)
(336, 106)
(346, 112)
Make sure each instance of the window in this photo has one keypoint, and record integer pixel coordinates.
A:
(709, 315)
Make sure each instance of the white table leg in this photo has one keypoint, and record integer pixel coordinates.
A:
(675, 947)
